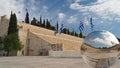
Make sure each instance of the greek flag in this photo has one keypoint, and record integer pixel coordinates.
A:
(81, 26)
(61, 28)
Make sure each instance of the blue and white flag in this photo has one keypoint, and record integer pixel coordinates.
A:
(61, 28)
(81, 26)
(91, 24)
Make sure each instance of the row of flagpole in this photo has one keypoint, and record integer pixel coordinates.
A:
(59, 29)
(85, 22)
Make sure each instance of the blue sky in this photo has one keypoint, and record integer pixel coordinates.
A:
(105, 13)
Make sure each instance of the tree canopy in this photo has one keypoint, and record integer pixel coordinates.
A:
(12, 24)
(11, 41)
(27, 18)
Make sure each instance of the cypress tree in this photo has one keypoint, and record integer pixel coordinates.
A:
(11, 41)
(57, 25)
(1, 43)
(52, 27)
(27, 18)
(34, 21)
(80, 35)
(76, 34)
(43, 25)
(40, 21)
(12, 24)
(66, 31)
(48, 25)
(72, 33)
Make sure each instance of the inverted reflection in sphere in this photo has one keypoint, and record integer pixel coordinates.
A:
(100, 49)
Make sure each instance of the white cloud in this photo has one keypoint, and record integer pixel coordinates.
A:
(72, 19)
(102, 8)
(77, 0)
(75, 6)
(107, 7)
(45, 8)
(31, 4)
(61, 16)
(11, 5)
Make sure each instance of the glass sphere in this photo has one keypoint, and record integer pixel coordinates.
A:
(100, 49)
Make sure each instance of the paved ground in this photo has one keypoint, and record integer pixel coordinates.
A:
(44, 62)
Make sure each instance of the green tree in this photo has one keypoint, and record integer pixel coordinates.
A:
(43, 25)
(66, 31)
(12, 24)
(1, 43)
(48, 25)
(27, 18)
(80, 35)
(40, 23)
(72, 33)
(34, 21)
(76, 34)
(52, 27)
(12, 43)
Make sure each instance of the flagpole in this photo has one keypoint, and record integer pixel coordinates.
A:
(58, 29)
(81, 27)
(57, 43)
(61, 30)
(86, 23)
